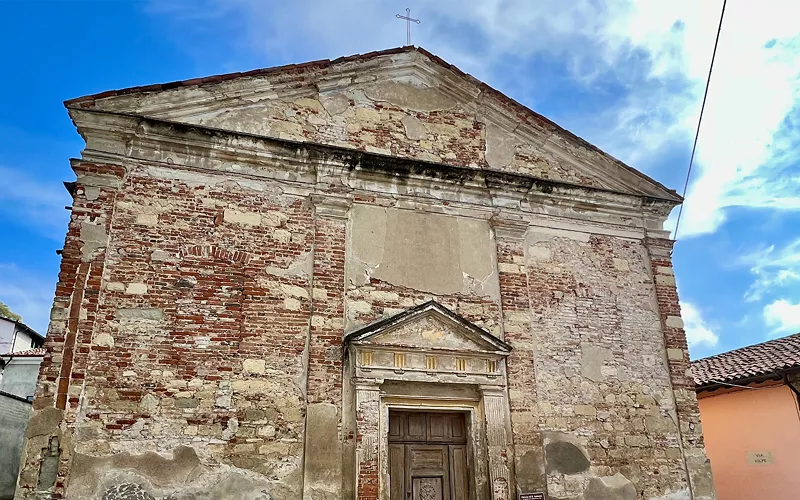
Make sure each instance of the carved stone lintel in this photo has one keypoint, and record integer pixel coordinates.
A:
(507, 229)
(492, 390)
(659, 247)
(367, 384)
(333, 207)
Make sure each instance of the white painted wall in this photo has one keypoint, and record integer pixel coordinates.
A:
(14, 338)
(6, 335)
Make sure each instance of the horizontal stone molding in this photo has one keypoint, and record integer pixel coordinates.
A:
(116, 138)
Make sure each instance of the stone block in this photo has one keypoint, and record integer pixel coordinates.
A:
(258, 366)
(243, 218)
(675, 354)
(323, 453)
(674, 322)
(140, 313)
(662, 279)
(136, 289)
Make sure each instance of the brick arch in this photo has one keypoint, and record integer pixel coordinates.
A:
(217, 253)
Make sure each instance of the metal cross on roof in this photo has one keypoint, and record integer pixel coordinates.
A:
(408, 20)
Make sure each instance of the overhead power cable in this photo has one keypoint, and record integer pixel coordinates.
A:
(700, 121)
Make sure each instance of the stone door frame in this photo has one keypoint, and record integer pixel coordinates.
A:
(470, 378)
(475, 441)
(489, 447)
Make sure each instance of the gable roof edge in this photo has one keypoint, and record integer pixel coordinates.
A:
(661, 191)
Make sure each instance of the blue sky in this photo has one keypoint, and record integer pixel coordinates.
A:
(626, 76)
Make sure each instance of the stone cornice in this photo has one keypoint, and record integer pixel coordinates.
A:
(332, 207)
(117, 138)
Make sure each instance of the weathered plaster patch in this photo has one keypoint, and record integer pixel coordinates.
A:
(414, 128)
(93, 237)
(427, 252)
(88, 472)
(500, 147)
(593, 359)
(335, 104)
(565, 455)
(407, 96)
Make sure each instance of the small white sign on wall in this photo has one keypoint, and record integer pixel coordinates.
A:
(760, 458)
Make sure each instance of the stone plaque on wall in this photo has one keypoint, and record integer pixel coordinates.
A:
(760, 458)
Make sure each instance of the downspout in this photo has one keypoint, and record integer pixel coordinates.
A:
(795, 391)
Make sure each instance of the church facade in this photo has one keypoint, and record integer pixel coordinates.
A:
(373, 277)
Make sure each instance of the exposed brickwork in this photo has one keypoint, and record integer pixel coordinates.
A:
(367, 408)
(520, 367)
(327, 319)
(73, 316)
(600, 359)
(688, 412)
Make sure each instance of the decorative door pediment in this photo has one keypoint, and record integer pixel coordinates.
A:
(427, 340)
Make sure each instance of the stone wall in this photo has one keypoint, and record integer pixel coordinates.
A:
(14, 414)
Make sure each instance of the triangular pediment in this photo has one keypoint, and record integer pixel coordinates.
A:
(428, 327)
(402, 102)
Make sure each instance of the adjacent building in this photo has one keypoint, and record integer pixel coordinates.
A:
(373, 277)
(19, 372)
(16, 336)
(750, 406)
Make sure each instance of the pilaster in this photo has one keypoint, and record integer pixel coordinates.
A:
(677, 356)
(323, 443)
(520, 364)
(498, 443)
(47, 456)
(368, 400)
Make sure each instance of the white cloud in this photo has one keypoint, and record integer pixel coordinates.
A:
(783, 316)
(697, 331)
(656, 53)
(39, 204)
(774, 269)
(27, 294)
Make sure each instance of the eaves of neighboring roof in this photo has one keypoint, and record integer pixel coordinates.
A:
(25, 327)
(30, 353)
(748, 364)
(322, 64)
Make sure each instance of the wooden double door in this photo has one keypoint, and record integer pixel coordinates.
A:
(428, 456)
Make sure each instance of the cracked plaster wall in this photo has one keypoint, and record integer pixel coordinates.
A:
(393, 251)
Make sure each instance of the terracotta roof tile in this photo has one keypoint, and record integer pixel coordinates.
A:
(748, 362)
(30, 353)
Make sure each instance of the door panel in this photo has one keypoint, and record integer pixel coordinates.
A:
(439, 427)
(423, 457)
(428, 471)
(427, 456)
(416, 427)
(397, 426)
(397, 471)
(428, 488)
(458, 472)
(458, 431)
